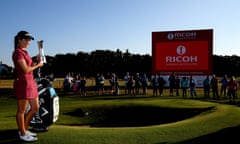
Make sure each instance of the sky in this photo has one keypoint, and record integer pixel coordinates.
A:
(72, 26)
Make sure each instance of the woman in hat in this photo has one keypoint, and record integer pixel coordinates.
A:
(25, 88)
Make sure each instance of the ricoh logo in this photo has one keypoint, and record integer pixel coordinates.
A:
(181, 50)
(181, 57)
(181, 35)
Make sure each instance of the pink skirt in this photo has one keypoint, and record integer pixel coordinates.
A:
(25, 88)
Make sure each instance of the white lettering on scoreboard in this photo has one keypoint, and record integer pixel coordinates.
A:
(180, 59)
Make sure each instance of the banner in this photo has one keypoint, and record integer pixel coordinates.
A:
(183, 52)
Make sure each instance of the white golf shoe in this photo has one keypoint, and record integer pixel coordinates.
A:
(28, 138)
(28, 133)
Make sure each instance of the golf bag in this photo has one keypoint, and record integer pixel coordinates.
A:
(49, 106)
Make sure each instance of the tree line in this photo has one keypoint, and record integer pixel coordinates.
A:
(107, 61)
(99, 61)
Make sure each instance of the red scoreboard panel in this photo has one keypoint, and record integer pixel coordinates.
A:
(184, 52)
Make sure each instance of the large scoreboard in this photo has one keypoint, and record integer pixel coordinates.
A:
(187, 52)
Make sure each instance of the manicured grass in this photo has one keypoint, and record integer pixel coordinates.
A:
(216, 124)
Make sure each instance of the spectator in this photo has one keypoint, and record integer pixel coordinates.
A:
(131, 86)
(206, 87)
(97, 83)
(193, 87)
(114, 83)
(155, 84)
(177, 85)
(161, 83)
(126, 79)
(214, 85)
(232, 88)
(67, 83)
(137, 79)
(144, 84)
(224, 84)
(116, 88)
(184, 86)
(101, 81)
(83, 86)
(76, 83)
(172, 80)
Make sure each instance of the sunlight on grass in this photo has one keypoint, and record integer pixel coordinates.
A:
(217, 119)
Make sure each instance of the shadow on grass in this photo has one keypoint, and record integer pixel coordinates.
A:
(12, 137)
(224, 136)
(134, 116)
(9, 137)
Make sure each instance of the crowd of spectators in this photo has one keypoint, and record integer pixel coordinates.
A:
(138, 84)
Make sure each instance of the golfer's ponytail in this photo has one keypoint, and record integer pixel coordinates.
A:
(16, 39)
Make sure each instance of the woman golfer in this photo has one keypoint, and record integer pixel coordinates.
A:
(25, 88)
